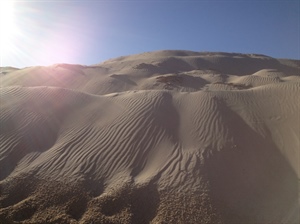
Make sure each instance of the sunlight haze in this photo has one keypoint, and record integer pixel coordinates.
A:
(89, 32)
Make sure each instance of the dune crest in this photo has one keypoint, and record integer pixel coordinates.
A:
(158, 137)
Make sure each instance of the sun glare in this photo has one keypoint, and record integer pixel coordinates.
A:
(7, 25)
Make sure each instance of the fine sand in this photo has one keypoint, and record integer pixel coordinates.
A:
(159, 137)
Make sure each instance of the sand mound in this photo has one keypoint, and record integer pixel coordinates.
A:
(159, 137)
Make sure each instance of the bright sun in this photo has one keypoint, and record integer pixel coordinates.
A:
(7, 25)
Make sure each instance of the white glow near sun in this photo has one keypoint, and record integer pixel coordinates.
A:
(7, 25)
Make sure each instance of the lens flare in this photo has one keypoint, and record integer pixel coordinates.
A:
(7, 26)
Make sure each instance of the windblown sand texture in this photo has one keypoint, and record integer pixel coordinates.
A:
(160, 137)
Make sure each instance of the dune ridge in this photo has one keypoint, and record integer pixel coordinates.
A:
(159, 137)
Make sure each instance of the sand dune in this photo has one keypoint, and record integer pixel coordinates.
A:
(158, 137)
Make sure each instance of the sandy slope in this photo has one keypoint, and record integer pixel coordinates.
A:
(159, 137)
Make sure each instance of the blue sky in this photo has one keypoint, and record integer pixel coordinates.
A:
(88, 32)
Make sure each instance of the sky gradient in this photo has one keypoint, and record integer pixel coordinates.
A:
(89, 32)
